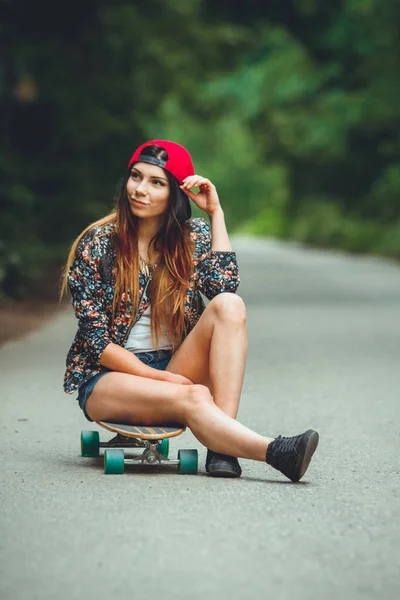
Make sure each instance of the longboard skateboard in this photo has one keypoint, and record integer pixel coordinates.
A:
(153, 440)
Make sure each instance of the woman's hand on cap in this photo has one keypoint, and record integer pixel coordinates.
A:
(207, 198)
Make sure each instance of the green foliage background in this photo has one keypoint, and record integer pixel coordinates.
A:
(290, 108)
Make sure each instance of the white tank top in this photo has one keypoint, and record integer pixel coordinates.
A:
(139, 339)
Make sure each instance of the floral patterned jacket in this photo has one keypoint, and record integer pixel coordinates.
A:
(90, 281)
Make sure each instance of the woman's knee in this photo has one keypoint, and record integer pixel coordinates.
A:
(229, 306)
(197, 398)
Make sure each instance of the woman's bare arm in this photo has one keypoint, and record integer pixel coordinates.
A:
(119, 359)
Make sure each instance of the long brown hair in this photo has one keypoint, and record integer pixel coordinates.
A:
(169, 283)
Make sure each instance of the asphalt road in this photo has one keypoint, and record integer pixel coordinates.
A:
(324, 350)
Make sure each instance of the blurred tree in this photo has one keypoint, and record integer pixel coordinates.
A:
(291, 108)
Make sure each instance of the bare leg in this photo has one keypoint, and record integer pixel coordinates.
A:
(214, 352)
(221, 433)
(127, 398)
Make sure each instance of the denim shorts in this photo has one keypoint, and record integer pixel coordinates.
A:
(157, 359)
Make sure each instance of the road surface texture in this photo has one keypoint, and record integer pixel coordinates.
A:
(324, 352)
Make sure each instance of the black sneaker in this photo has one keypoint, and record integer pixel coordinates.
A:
(221, 465)
(291, 455)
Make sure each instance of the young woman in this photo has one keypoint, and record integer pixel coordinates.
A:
(147, 350)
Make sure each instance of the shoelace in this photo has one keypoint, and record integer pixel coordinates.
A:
(288, 444)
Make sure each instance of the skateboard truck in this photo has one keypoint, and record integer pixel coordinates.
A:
(151, 455)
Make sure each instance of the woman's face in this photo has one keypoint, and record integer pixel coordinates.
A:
(148, 190)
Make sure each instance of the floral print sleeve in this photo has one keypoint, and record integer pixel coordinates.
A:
(216, 271)
(88, 297)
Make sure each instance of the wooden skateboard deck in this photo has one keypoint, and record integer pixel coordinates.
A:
(143, 432)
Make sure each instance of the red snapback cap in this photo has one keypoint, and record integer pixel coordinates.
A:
(179, 162)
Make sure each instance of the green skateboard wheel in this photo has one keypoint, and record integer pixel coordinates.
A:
(90, 443)
(188, 462)
(163, 447)
(114, 462)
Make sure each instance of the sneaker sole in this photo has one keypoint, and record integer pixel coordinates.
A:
(307, 448)
(223, 473)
